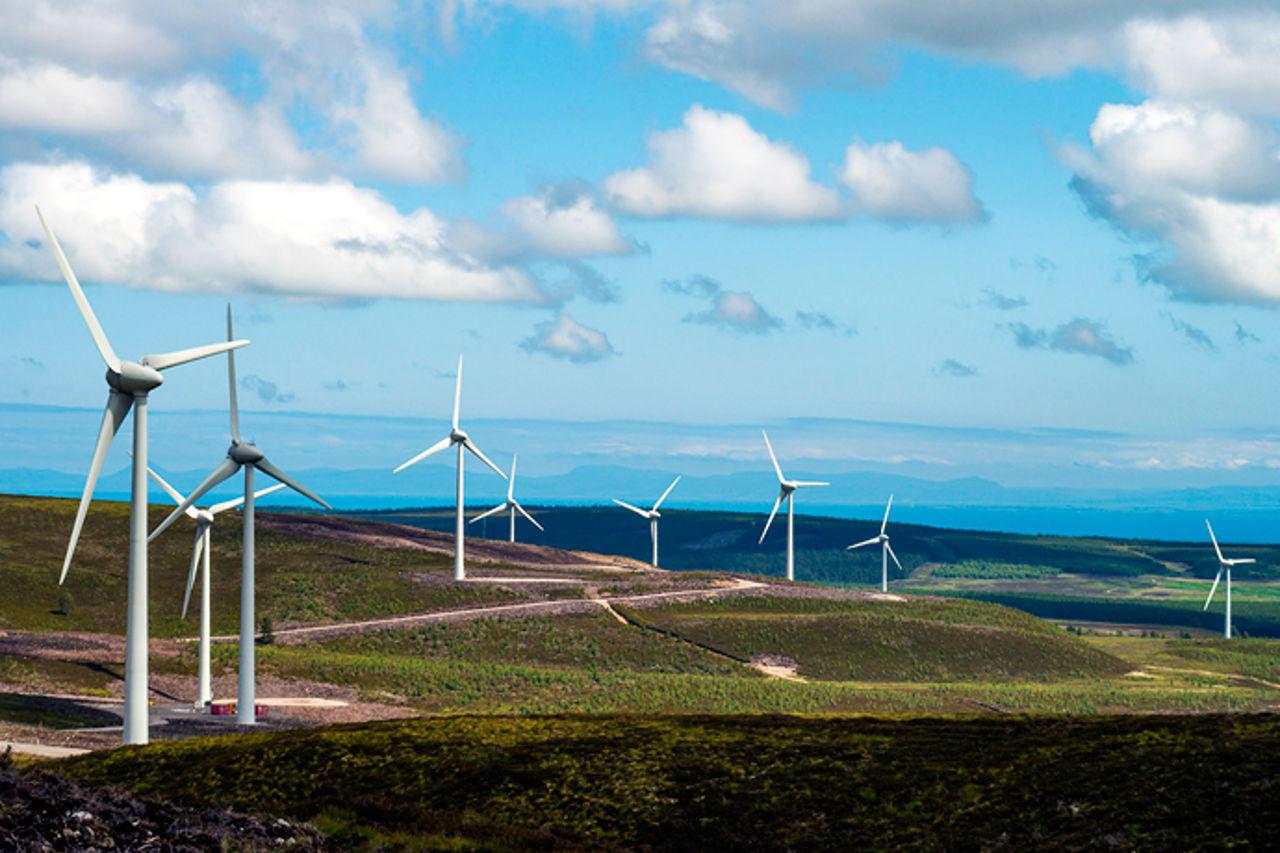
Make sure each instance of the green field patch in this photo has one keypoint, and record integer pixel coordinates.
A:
(51, 713)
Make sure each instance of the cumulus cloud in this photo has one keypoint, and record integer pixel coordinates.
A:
(561, 221)
(266, 390)
(565, 338)
(889, 181)
(1201, 184)
(730, 310)
(1001, 301)
(1194, 334)
(329, 240)
(1081, 335)
(131, 79)
(717, 165)
(958, 369)
(821, 321)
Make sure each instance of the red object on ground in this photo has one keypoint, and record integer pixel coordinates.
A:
(228, 709)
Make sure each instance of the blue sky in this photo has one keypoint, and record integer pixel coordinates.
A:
(692, 212)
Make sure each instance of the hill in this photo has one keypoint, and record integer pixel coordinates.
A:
(763, 782)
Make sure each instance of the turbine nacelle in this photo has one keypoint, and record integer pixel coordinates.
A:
(134, 378)
(244, 453)
(458, 436)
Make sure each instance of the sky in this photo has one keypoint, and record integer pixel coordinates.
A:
(977, 217)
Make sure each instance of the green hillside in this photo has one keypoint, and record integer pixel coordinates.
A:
(761, 783)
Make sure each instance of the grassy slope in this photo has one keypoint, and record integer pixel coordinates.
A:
(913, 640)
(298, 579)
(742, 783)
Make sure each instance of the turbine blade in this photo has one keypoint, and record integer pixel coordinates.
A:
(1214, 539)
(765, 532)
(235, 502)
(231, 383)
(1243, 561)
(531, 519)
(165, 360)
(164, 484)
(457, 394)
(637, 510)
(776, 467)
(863, 543)
(806, 483)
(511, 481)
(195, 561)
(885, 523)
(264, 465)
(889, 548)
(667, 492)
(497, 509)
(117, 408)
(1212, 590)
(225, 469)
(470, 445)
(442, 444)
(86, 311)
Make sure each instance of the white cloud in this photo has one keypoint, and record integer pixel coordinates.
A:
(1202, 184)
(564, 337)
(892, 182)
(1229, 60)
(716, 165)
(392, 139)
(50, 97)
(1081, 335)
(564, 225)
(730, 310)
(328, 240)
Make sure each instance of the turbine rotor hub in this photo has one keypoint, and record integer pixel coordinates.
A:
(134, 378)
(244, 453)
(457, 436)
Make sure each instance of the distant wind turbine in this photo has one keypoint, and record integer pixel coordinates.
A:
(459, 438)
(130, 383)
(203, 545)
(653, 515)
(510, 504)
(246, 455)
(886, 551)
(786, 492)
(1224, 565)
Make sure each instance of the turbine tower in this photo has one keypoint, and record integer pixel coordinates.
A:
(130, 383)
(653, 515)
(246, 455)
(886, 551)
(511, 505)
(463, 442)
(786, 492)
(1224, 565)
(203, 545)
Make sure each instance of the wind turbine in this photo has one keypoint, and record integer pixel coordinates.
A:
(1224, 565)
(511, 504)
(463, 442)
(787, 491)
(130, 383)
(246, 455)
(203, 545)
(653, 515)
(885, 552)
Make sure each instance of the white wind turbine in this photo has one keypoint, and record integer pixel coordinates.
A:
(886, 551)
(246, 455)
(1224, 565)
(786, 491)
(204, 519)
(130, 383)
(653, 515)
(511, 505)
(463, 442)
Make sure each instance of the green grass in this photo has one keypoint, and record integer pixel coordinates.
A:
(768, 783)
(985, 569)
(298, 579)
(919, 639)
